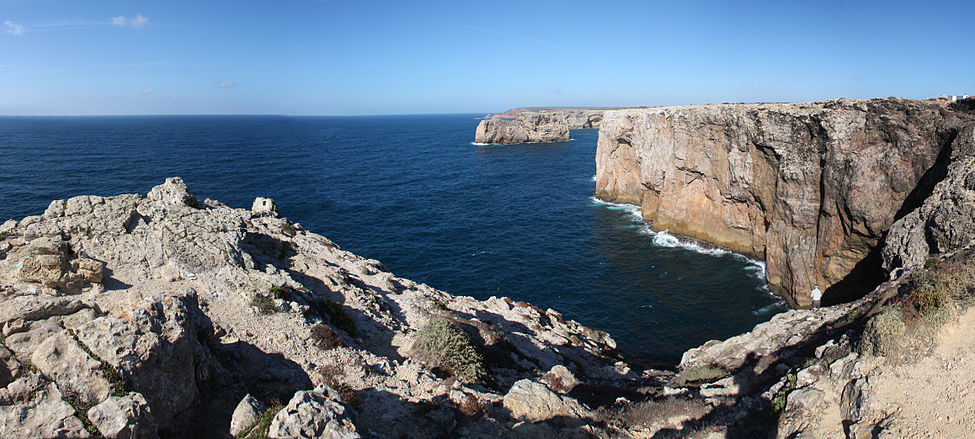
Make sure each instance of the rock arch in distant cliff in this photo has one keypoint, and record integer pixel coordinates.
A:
(811, 188)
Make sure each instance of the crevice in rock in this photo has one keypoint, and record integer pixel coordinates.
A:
(931, 177)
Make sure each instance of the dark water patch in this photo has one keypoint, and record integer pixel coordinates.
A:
(412, 192)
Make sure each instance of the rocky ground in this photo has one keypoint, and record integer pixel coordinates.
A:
(133, 316)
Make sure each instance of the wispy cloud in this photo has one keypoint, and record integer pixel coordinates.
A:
(136, 65)
(225, 84)
(147, 91)
(12, 28)
(135, 22)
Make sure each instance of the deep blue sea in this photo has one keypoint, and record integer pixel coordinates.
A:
(415, 193)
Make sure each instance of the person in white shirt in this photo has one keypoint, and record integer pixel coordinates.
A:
(816, 296)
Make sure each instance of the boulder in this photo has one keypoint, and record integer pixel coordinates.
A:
(44, 415)
(559, 379)
(318, 413)
(246, 414)
(155, 345)
(76, 373)
(125, 417)
(45, 269)
(532, 401)
(264, 207)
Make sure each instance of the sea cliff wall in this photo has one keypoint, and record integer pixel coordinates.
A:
(811, 188)
(526, 128)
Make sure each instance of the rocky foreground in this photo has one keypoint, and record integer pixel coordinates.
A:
(162, 315)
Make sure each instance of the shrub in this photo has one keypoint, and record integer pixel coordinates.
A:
(264, 304)
(442, 344)
(324, 337)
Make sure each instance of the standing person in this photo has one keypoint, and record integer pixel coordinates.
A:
(816, 296)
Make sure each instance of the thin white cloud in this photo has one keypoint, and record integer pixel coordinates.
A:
(139, 21)
(225, 84)
(12, 28)
(147, 91)
(135, 22)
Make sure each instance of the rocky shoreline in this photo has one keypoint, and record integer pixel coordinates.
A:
(535, 125)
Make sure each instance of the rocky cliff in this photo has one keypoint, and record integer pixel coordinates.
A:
(810, 188)
(577, 118)
(132, 316)
(526, 128)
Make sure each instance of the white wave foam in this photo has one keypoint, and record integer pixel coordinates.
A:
(593, 178)
(633, 210)
(768, 309)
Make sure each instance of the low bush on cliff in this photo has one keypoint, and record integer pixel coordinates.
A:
(325, 337)
(442, 344)
(264, 304)
(904, 331)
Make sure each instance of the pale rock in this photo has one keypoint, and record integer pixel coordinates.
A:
(76, 373)
(559, 379)
(526, 128)
(44, 415)
(318, 413)
(533, 402)
(246, 414)
(125, 417)
(264, 207)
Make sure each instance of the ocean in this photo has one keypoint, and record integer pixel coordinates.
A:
(415, 193)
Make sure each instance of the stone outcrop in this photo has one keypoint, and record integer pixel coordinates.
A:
(158, 314)
(577, 118)
(526, 128)
(810, 188)
(945, 222)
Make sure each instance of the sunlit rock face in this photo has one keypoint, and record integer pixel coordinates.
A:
(812, 188)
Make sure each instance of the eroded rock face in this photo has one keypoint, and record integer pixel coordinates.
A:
(946, 220)
(314, 413)
(810, 188)
(526, 128)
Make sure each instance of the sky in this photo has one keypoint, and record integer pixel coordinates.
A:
(345, 57)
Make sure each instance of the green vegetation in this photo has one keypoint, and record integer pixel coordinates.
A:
(264, 304)
(782, 397)
(442, 344)
(280, 292)
(699, 374)
(4, 234)
(365, 271)
(259, 429)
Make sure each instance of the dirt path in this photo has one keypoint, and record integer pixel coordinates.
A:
(934, 398)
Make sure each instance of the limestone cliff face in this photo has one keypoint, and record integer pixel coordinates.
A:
(811, 188)
(526, 128)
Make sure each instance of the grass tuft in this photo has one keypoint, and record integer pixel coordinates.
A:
(258, 430)
(264, 304)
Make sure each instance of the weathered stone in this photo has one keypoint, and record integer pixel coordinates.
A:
(44, 269)
(126, 417)
(264, 207)
(45, 415)
(245, 415)
(533, 402)
(87, 270)
(809, 188)
(76, 373)
(155, 346)
(559, 379)
(37, 307)
(173, 191)
(318, 413)
(945, 222)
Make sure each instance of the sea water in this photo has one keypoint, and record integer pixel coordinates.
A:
(413, 192)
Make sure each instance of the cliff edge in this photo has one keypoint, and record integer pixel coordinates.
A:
(811, 188)
(526, 128)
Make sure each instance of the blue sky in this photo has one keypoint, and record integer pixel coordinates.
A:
(373, 57)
